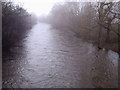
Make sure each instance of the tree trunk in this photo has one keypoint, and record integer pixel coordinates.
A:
(99, 36)
(108, 36)
(119, 39)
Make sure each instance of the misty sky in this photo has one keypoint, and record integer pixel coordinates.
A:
(39, 7)
(43, 7)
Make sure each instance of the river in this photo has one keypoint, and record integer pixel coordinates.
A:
(50, 58)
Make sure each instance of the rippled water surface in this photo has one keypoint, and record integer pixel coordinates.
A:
(50, 58)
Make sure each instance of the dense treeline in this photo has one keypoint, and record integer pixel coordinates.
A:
(16, 21)
(96, 22)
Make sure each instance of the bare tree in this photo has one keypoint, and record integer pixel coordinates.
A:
(91, 21)
(106, 17)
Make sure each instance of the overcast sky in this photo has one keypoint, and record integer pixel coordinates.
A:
(43, 7)
(39, 7)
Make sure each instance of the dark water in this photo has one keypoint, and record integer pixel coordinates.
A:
(49, 58)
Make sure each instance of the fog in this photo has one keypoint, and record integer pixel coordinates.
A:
(53, 44)
(38, 7)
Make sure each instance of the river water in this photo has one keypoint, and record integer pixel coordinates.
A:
(50, 58)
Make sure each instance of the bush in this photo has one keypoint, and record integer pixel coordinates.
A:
(15, 23)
